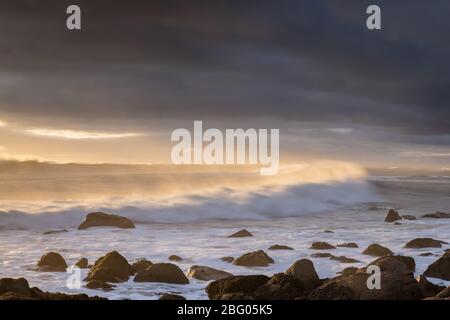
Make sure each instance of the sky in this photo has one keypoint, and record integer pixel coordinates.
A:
(114, 91)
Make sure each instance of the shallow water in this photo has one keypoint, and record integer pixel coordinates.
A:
(203, 243)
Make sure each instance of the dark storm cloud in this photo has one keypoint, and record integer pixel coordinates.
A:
(291, 60)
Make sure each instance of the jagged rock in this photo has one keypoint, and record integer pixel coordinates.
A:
(162, 272)
(424, 243)
(171, 296)
(409, 217)
(52, 262)
(439, 268)
(321, 255)
(437, 215)
(19, 289)
(241, 234)
(428, 289)
(347, 245)
(377, 250)
(254, 259)
(343, 259)
(227, 259)
(175, 258)
(206, 273)
(322, 246)
(112, 267)
(55, 232)
(304, 271)
(82, 263)
(98, 284)
(101, 219)
(236, 286)
(397, 283)
(392, 216)
(280, 247)
(140, 265)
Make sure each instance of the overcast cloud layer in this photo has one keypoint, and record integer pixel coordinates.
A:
(281, 61)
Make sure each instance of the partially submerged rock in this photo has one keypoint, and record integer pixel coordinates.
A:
(82, 263)
(321, 255)
(347, 245)
(282, 286)
(176, 258)
(52, 262)
(235, 287)
(171, 296)
(428, 289)
(101, 219)
(162, 272)
(392, 216)
(343, 259)
(55, 232)
(439, 268)
(437, 215)
(99, 285)
(241, 234)
(424, 243)
(377, 250)
(409, 217)
(280, 247)
(112, 267)
(254, 259)
(227, 259)
(322, 246)
(207, 273)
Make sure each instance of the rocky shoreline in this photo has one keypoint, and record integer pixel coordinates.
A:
(298, 282)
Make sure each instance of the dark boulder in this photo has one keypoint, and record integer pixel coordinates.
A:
(162, 272)
(437, 215)
(377, 250)
(207, 273)
(419, 243)
(236, 286)
(241, 234)
(171, 296)
(304, 271)
(347, 245)
(227, 259)
(82, 263)
(254, 259)
(439, 268)
(176, 258)
(322, 246)
(280, 247)
(52, 262)
(112, 267)
(392, 216)
(101, 219)
(140, 265)
(99, 285)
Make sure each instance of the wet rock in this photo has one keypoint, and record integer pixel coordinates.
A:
(282, 286)
(236, 296)
(140, 265)
(347, 245)
(428, 289)
(437, 215)
(227, 259)
(98, 284)
(241, 234)
(328, 231)
(398, 283)
(19, 289)
(52, 262)
(426, 254)
(445, 293)
(343, 259)
(236, 286)
(171, 296)
(82, 263)
(162, 272)
(304, 271)
(101, 219)
(54, 232)
(206, 273)
(321, 255)
(280, 247)
(112, 267)
(396, 264)
(322, 246)
(254, 259)
(392, 216)
(409, 217)
(424, 243)
(439, 268)
(176, 258)
(377, 250)
(397, 224)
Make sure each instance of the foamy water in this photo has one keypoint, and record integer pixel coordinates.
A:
(195, 226)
